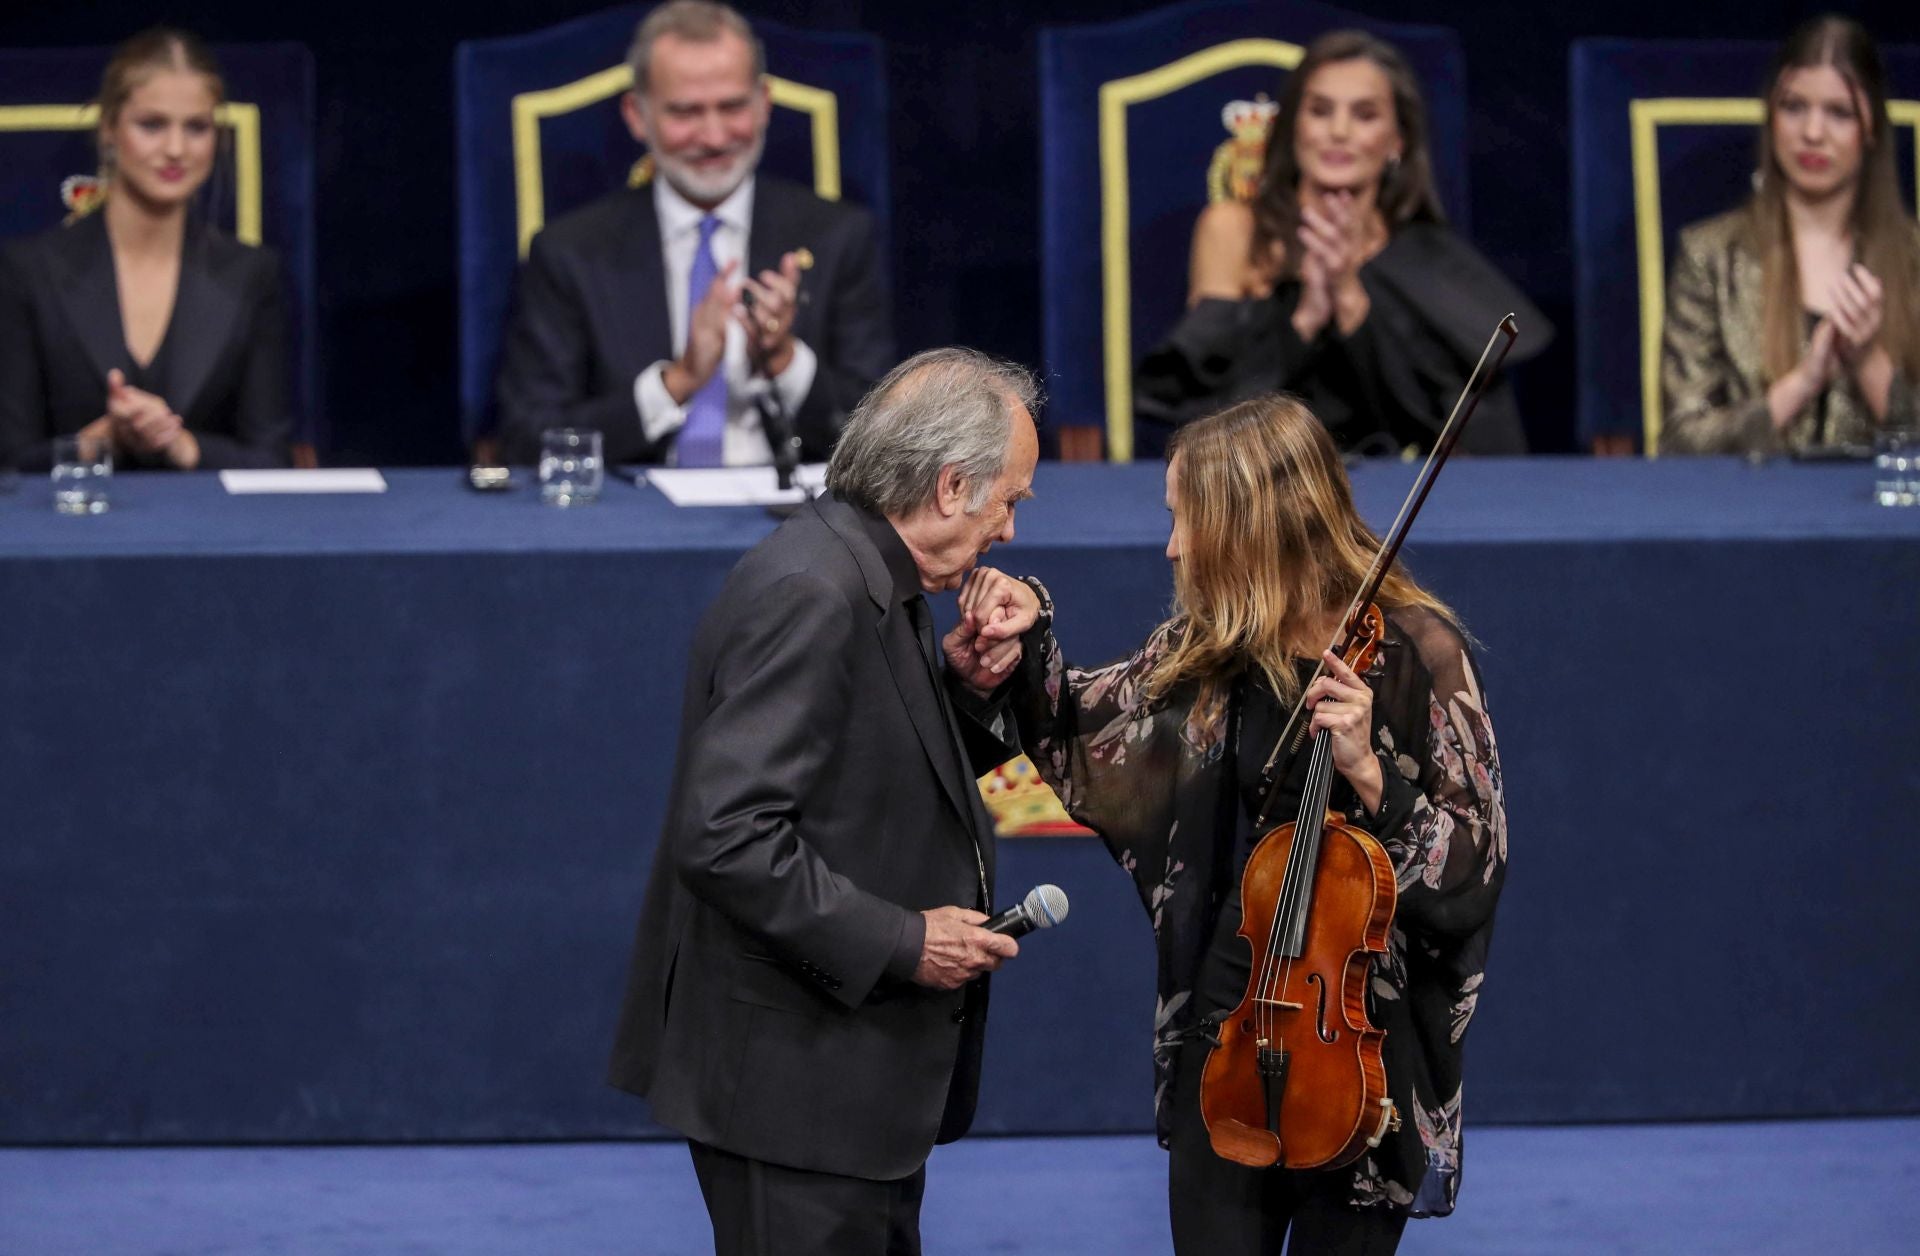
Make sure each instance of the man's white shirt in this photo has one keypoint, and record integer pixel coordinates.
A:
(745, 444)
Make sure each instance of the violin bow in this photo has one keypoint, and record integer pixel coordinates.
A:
(1477, 384)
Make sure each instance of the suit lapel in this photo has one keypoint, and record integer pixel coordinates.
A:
(90, 295)
(765, 244)
(638, 323)
(905, 661)
(204, 312)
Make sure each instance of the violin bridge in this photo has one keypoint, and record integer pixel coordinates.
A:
(1282, 1004)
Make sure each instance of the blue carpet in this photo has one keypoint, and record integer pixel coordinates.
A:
(1689, 1190)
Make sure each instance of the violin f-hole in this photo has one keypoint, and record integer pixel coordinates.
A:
(1320, 1015)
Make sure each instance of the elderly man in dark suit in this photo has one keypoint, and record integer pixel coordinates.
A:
(808, 996)
(665, 315)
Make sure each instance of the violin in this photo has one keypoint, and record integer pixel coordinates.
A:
(1297, 1078)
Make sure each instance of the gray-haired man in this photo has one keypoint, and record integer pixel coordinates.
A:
(807, 997)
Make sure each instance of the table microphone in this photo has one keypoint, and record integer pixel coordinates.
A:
(1044, 907)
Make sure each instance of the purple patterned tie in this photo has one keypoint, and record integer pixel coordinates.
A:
(704, 435)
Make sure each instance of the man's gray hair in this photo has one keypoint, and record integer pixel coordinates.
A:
(697, 22)
(942, 408)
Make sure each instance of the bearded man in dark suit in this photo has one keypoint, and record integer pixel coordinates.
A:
(632, 313)
(807, 998)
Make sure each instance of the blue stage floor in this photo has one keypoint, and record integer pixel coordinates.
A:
(1690, 1190)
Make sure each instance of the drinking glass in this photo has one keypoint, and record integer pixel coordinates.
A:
(82, 474)
(1896, 467)
(570, 466)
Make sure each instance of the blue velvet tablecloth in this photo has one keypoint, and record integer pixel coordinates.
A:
(327, 817)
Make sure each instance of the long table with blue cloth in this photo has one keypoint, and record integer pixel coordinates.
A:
(328, 816)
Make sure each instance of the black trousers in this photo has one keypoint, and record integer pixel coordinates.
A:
(761, 1209)
(1220, 1208)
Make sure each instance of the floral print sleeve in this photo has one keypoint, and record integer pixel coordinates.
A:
(1449, 845)
(1098, 744)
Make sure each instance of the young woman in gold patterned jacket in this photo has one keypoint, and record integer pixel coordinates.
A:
(1794, 321)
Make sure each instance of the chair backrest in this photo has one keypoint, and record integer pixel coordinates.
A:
(262, 191)
(1139, 126)
(1665, 133)
(540, 133)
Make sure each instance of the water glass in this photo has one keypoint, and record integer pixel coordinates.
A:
(1896, 468)
(570, 466)
(82, 474)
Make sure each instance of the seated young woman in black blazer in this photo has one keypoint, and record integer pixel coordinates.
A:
(141, 327)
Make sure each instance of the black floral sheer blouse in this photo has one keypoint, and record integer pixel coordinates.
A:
(1157, 782)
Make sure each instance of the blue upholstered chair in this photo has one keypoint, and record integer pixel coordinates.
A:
(1665, 133)
(540, 133)
(1139, 130)
(262, 191)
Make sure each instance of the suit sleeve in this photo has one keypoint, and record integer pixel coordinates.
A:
(262, 422)
(780, 693)
(856, 347)
(546, 368)
(1705, 411)
(23, 436)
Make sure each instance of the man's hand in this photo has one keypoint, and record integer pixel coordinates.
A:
(769, 324)
(706, 339)
(957, 949)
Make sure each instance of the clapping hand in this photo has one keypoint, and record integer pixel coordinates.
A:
(706, 338)
(144, 423)
(1855, 308)
(768, 320)
(1330, 259)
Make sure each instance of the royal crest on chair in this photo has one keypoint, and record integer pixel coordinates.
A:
(1234, 172)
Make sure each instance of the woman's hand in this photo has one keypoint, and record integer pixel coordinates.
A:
(146, 424)
(1795, 391)
(1343, 705)
(1330, 246)
(1315, 307)
(1855, 308)
(995, 609)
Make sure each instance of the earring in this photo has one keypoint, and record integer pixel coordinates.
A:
(1391, 170)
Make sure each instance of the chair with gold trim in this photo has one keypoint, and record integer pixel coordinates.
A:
(539, 133)
(1142, 122)
(1665, 133)
(262, 190)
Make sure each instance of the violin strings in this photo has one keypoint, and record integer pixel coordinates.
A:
(1302, 857)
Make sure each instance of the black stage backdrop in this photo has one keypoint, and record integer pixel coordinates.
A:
(962, 77)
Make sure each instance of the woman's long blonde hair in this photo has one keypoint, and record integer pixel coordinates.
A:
(1883, 232)
(1272, 549)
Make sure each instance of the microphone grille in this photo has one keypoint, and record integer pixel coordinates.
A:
(1046, 906)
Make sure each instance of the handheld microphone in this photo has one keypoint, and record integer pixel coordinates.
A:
(1044, 907)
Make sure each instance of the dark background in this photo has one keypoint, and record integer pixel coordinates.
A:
(963, 80)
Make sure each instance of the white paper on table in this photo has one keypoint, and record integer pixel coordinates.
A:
(319, 480)
(735, 486)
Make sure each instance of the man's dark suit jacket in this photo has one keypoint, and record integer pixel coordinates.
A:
(60, 333)
(819, 803)
(590, 314)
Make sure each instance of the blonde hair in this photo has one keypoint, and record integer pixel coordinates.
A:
(1882, 231)
(1273, 547)
(132, 64)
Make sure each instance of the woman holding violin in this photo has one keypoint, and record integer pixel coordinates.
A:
(1165, 753)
